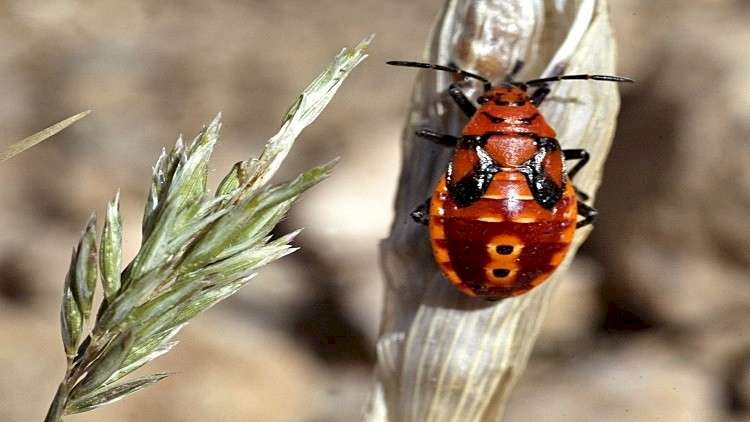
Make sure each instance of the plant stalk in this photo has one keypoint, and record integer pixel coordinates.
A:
(443, 356)
(57, 407)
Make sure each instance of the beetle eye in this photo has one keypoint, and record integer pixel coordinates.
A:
(483, 99)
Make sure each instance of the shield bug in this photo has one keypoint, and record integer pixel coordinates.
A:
(503, 216)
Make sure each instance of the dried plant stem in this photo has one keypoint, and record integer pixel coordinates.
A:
(40, 136)
(443, 356)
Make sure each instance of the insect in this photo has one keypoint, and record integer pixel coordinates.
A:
(503, 216)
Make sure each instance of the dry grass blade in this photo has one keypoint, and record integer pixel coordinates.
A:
(40, 136)
(443, 356)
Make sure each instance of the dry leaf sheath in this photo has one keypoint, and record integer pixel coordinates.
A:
(443, 356)
(197, 249)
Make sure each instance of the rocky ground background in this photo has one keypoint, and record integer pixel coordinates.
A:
(653, 324)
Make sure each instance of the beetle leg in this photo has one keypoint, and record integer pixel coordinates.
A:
(438, 138)
(581, 195)
(421, 214)
(576, 154)
(539, 95)
(463, 102)
(588, 213)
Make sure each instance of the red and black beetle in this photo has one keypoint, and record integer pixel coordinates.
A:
(502, 218)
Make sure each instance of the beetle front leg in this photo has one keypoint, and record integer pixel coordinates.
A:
(438, 138)
(537, 98)
(463, 102)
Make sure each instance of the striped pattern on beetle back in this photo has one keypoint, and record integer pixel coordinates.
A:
(508, 110)
(504, 244)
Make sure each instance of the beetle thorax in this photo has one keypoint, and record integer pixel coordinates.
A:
(510, 150)
(507, 109)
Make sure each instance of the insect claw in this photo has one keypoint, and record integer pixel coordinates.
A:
(421, 214)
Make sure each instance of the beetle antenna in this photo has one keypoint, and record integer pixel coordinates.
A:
(485, 81)
(606, 78)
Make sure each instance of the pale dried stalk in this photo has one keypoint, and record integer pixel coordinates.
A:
(443, 356)
(44, 134)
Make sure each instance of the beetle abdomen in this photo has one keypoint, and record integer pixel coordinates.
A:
(505, 243)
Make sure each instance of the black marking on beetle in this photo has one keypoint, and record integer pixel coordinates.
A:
(545, 191)
(504, 103)
(500, 272)
(472, 141)
(493, 119)
(487, 135)
(504, 249)
(521, 121)
(529, 120)
(472, 186)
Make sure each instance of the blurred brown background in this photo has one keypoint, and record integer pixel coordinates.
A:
(652, 325)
